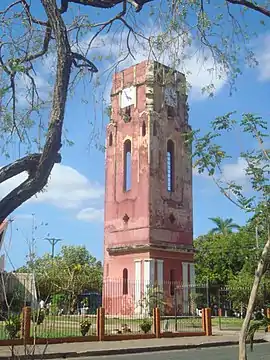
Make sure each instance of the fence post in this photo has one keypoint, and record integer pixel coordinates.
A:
(268, 316)
(203, 320)
(26, 325)
(219, 318)
(208, 322)
(156, 314)
(100, 323)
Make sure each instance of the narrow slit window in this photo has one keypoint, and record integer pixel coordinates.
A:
(143, 129)
(127, 165)
(110, 140)
(125, 281)
(127, 114)
(154, 128)
(172, 282)
(170, 166)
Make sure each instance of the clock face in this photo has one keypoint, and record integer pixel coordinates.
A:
(127, 97)
(170, 96)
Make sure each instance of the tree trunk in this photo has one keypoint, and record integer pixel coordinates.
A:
(38, 177)
(258, 276)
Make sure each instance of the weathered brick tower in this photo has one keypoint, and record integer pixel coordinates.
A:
(148, 202)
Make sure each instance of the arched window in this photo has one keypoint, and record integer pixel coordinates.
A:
(154, 128)
(170, 166)
(110, 140)
(127, 165)
(172, 282)
(143, 129)
(125, 281)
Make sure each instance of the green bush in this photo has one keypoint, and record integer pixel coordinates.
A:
(38, 316)
(146, 325)
(85, 326)
(13, 326)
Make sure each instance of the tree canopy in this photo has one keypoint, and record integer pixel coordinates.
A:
(223, 226)
(220, 256)
(71, 272)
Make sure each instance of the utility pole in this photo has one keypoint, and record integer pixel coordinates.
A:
(53, 242)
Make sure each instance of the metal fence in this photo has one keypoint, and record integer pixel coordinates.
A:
(60, 326)
(128, 307)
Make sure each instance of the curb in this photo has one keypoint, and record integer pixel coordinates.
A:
(139, 350)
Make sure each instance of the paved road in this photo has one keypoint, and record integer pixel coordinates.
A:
(261, 352)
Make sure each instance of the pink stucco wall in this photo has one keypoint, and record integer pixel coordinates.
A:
(148, 204)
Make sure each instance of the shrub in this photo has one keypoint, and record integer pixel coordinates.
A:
(13, 326)
(85, 326)
(146, 325)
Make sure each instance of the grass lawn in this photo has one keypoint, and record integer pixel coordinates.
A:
(227, 322)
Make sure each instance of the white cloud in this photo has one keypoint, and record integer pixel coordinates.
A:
(67, 188)
(236, 171)
(230, 172)
(195, 172)
(90, 214)
(24, 88)
(263, 57)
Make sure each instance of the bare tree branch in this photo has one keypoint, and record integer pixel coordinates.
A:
(104, 4)
(28, 163)
(251, 5)
(10, 7)
(86, 63)
(30, 17)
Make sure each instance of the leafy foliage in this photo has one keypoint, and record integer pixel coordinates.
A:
(66, 276)
(256, 325)
(153, 297)
(223, 226)
(13, 326)
(85, 326)
(146, 325)
(219, 256)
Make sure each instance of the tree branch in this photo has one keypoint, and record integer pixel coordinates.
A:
(10, 6)
(30, 17)
(28, 163)
(251, 5)
(104, 4)
(87, 63)
(39, 177)
(45, 47)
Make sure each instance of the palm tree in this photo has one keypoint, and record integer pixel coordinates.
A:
(223, 227)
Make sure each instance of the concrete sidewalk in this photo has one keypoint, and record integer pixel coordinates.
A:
(69, 350)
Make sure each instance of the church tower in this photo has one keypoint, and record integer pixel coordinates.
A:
(148, 227)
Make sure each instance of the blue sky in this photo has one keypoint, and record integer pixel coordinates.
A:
(72, 206)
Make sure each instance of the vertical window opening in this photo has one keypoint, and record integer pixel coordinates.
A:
(127, 165)
(110, 140)
(170, 166)
(143, 129)
(127, 114)
(154, 128)
(125, 281)
(172, 282)
(170, 111)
